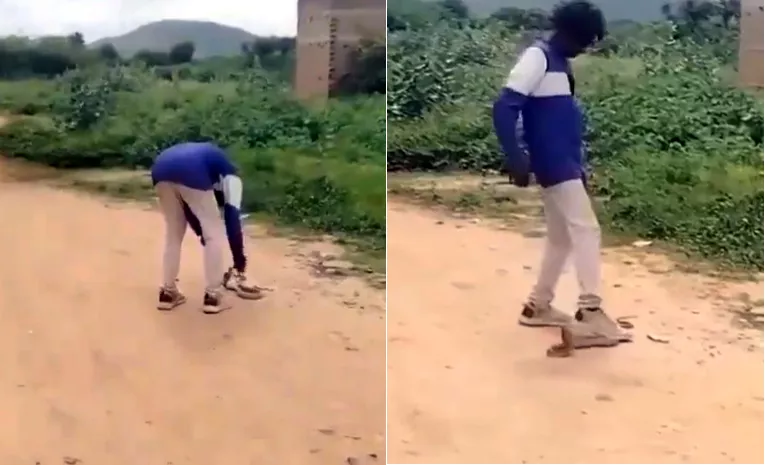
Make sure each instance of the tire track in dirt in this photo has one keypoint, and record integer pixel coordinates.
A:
(466, 384)
(91, 371)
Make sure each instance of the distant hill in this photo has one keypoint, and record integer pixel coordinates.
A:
(210, 39)
(635, 10)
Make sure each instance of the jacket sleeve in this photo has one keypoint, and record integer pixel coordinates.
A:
(193, 221)
(232, 195)
(523, 80)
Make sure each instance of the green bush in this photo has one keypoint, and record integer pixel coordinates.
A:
(677, 151)
(446, 138)
(710, 206)
(305, 188)
(321, 168)
(30, 98)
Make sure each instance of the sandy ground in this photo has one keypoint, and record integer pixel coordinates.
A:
(92, 374)
(468, 385)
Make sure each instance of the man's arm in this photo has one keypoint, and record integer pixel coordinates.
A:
(228, 196)
(193, 221)
(232, 203)
(524, 78)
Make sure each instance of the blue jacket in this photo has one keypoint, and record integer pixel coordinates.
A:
(205, 166)
(540, 87)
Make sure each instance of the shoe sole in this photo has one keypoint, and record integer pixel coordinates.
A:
(212, 310)
(537, 323)
(167, 306)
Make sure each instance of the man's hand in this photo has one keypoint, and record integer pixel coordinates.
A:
(520, 179)
(518, 173)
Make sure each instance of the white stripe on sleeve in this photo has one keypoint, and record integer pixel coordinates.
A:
(232, 190)
(528, 72)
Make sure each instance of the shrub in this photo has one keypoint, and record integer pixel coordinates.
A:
(318, 168)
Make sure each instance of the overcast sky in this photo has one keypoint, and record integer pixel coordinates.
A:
(96, 19)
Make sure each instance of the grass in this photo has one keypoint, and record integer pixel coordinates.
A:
(509, 207)
(136, 186)
(132, 185)
(27, 97)
(312, 172)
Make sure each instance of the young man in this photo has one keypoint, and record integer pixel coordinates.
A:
(541, 87)
(193, 180)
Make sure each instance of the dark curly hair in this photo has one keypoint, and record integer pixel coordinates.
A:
(580, 21)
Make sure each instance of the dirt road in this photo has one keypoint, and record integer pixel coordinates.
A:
(92, 374)
(468, 385)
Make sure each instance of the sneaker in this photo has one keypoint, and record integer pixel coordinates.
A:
(591, 328)
(169, 298)
(237, 281)
(214, 303)
(539, 315)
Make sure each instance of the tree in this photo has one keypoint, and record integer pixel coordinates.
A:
(703, 20)
(412, 14)
(456, 9)
(76, 40)
(395, 23)
(695, 13)
(152, 58)
(730, 11)
(265, 46)
(666, 11)
(248, 52)
(367, 73)
(108, 53)
(519, 18)
(271, 53)
(182, 53)
(48, 63)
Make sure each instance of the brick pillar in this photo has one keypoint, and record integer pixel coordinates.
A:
(313, 50)
(328, 33)
(750, 57)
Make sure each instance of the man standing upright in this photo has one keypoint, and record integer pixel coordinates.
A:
(541, 88)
